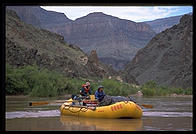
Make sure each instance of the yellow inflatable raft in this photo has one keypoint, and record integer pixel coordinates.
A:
(124, 109)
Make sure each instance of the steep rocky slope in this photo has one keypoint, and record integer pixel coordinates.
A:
(27, 45)
(115, 40)
(167, 58)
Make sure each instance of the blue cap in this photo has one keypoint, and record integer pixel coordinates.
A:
(100, 87)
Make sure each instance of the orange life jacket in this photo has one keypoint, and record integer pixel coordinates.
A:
(86, 89)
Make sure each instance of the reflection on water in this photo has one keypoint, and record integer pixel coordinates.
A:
(103, 124)
(69, 123)
(168, 114)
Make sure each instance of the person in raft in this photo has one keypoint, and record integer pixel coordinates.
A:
(99, 94)
(85, 90)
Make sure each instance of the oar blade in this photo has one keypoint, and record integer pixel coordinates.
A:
(38, 103)
(147, 105)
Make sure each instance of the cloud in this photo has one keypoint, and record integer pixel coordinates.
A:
(144, 14)
(134, 13)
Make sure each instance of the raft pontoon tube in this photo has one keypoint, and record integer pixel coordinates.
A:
(123, 109)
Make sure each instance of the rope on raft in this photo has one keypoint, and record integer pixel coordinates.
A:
(75, 111)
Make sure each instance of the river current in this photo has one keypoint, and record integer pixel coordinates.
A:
(168, 114)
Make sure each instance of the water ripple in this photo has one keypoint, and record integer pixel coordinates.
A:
(168, 114)
(28, 114)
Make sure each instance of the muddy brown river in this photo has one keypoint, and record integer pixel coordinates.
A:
(168, 114)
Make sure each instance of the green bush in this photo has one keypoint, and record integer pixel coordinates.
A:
(15, 83)
(40, 82)
(116, 88)
(151, 89)
(44, 84)
(34, 81)
(188, 91)
(73, 86)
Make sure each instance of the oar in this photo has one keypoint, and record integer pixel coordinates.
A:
(52, 102)
(147, 105)
(45, 102)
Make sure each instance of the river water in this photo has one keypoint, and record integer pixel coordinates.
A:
(168, 114)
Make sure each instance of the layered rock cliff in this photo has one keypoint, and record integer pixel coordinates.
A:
(115, 40)
(167, 58)
(27, 45)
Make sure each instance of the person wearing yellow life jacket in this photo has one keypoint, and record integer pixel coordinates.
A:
(85, 90)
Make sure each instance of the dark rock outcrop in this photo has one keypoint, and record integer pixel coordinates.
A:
(167, 58)
(27, 45)
(101, 69)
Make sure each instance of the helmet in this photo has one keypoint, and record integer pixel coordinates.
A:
(88, 84)
(100, 87)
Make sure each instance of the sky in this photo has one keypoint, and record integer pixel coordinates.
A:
(134, 13)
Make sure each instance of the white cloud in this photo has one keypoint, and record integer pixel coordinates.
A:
(134, 13)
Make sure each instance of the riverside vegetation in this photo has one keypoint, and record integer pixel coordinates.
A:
(40, 82)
